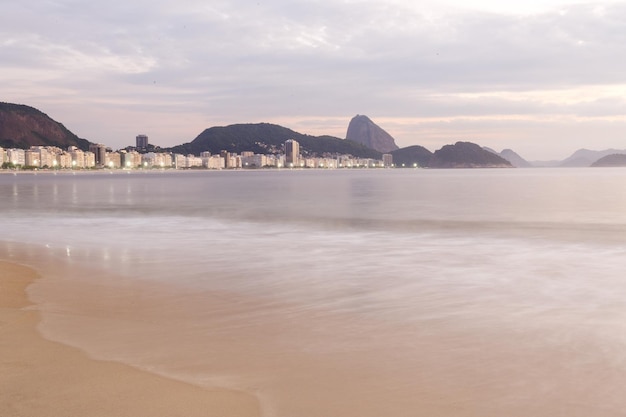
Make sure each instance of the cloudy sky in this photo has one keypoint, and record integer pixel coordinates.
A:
(544, 78)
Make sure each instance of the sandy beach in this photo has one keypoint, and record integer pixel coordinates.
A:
(43, 378)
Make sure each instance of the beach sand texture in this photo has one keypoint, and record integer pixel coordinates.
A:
(43, 378)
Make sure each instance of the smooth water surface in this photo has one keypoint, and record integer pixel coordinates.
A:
(339, 293)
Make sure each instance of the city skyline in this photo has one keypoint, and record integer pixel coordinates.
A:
(542, 78)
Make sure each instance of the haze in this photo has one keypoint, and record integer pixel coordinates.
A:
(543, 78)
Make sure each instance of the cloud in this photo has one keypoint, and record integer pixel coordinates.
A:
(301, 61)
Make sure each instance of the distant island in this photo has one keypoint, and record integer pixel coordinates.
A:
(28, 133)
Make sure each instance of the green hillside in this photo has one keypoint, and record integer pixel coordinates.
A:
(268, 138)
(23, 126)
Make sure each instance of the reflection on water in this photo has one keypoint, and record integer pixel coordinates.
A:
(480, 292)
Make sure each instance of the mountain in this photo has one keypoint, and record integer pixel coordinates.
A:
(23, 126)
(466, 155)
(362, 130)
(269, 138)
(412, 155)
(515, 160)
(586, 157)
(511, 156)
(613, 160)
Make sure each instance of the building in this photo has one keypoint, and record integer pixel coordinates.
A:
(63, 160)
(254, 160)
(292, 153)
(31, 158)
(78, 158)
(114, 160)
(226, 156)
(214, 162)
(141, 141)
(90, 159)
(16, 156)
(129, 160)
(179, 161)
(192, 161)
(387, 160)
(101, 153)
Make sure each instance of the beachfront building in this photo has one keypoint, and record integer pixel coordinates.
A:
(387, 160)
(62, 160)
(325, 163)
(90, 159)
(114, 160)
(81, 159)
(100, 152)
(47, 156)
(179, 161)
(192, 161)
(78, 157)
(228, 161)
(292, 153)
(159, 160)
(214, 162)
(16, 156)
(130, 159)
(31, 158)
(251, 160)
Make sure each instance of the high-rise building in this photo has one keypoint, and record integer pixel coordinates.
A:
(292, 153)
(142, 141)
(387, 160)
(227, 161)
(101, 153)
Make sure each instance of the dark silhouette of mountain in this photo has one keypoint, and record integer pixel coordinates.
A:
(23, 126)
(613, 160)
(362, 130)
(266, 138)
(586, 157)
(466, 155)
(412, 155)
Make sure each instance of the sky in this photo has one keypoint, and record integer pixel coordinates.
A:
(543, 78)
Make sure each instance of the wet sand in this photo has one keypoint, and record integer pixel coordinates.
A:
(44, 378)
(148, 337)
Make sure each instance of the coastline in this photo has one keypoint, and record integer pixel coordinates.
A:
(39, 377)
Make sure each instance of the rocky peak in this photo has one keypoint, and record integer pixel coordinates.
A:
(362, 130)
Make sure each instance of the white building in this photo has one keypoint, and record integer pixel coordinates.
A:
(387, 160)
(113, 160)
(16, 156)
(193, 161)
(254, 160)
(214, 162)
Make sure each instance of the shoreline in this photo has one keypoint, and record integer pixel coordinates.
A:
(39, 377)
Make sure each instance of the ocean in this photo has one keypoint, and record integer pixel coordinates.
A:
(383, 292)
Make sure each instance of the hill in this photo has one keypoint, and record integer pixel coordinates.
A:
(269, 138)
(412, 155)
(23, 126)
(362, 130)
(466, 155)
(514, 158)
(586, 157)
(613, 160)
